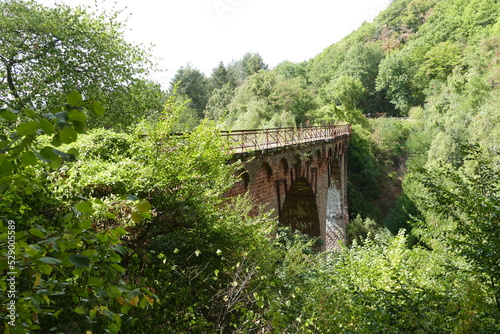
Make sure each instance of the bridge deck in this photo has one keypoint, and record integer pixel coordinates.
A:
(262, 139)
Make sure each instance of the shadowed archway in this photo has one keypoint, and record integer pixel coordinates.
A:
(300, 210)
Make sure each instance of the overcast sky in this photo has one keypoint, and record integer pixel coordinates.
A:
(205, 32)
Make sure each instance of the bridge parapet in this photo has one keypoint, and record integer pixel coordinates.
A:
(263, 139)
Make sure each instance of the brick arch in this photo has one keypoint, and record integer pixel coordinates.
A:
(241, 184)
(261, 189)
(319, 155)
(330, 153)
(296, 168)
(244, 179)
(282, 168)
(341, 148)
(266, 169)
(300, 210)
(336, 151)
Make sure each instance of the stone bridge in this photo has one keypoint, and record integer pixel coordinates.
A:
(299, 174)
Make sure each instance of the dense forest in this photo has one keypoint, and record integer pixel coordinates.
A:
(109, 224)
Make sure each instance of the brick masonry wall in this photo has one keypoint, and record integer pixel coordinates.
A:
(268, 176)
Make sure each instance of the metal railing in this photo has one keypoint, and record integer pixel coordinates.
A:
(262, 139)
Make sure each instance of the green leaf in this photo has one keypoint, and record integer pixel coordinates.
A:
(47, 153)
(97, 108)
(125, 308)
(118, 268)
(94, 281)
(45, 269)
(27, 128)
(144, 206)
(36, 232)
(49, 116)
(103, 238)
(114, 292)
(56, 140)
(79, 127)
(47, 126)
(67, 217)
(8, 115)
(74, 98)
(84, 207)
(90, 252)
(41, 157)
(79, 310)
(120, 231)
(132, 197)
(68, 135)
(113, 328)
(49, 260)
(29, 189)
(30, 113)
(65, 156)
(29, 158)
(77, 115)
(6, 168)
(80, 261)
(85, 224)
(136, 217)
(120, 249)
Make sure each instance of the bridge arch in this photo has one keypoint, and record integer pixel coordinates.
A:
(300, 210)
(244, 179)
(282, 168)
(265, 171)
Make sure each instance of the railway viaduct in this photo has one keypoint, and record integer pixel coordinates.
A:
(299, 174)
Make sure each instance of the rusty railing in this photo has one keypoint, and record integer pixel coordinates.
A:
(256, 140)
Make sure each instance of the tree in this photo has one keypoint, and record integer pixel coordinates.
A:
(218, 104)
(64, 269)
(219, 77)
(439, 62)
(396, 78)
(251, 63)
(344, 91)
(46, 53)
(125, 108)
(268, 99)
(191, 83)
(462, 209)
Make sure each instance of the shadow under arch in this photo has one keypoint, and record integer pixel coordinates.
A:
(300, 211)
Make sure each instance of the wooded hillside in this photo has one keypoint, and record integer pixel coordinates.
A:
(108, 224)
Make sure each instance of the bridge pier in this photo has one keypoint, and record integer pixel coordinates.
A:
(304, 184)
(336, 206)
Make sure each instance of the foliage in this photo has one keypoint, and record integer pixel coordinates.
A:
(268, 99)
(465, 203)
(382, 286)
(249, 64)
(47, 52)
(191, 83)
(218, 104)
(66, 269)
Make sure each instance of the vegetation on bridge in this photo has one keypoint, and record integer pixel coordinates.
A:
(119, 231)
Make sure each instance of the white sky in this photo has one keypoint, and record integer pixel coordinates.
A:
(205, 32)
